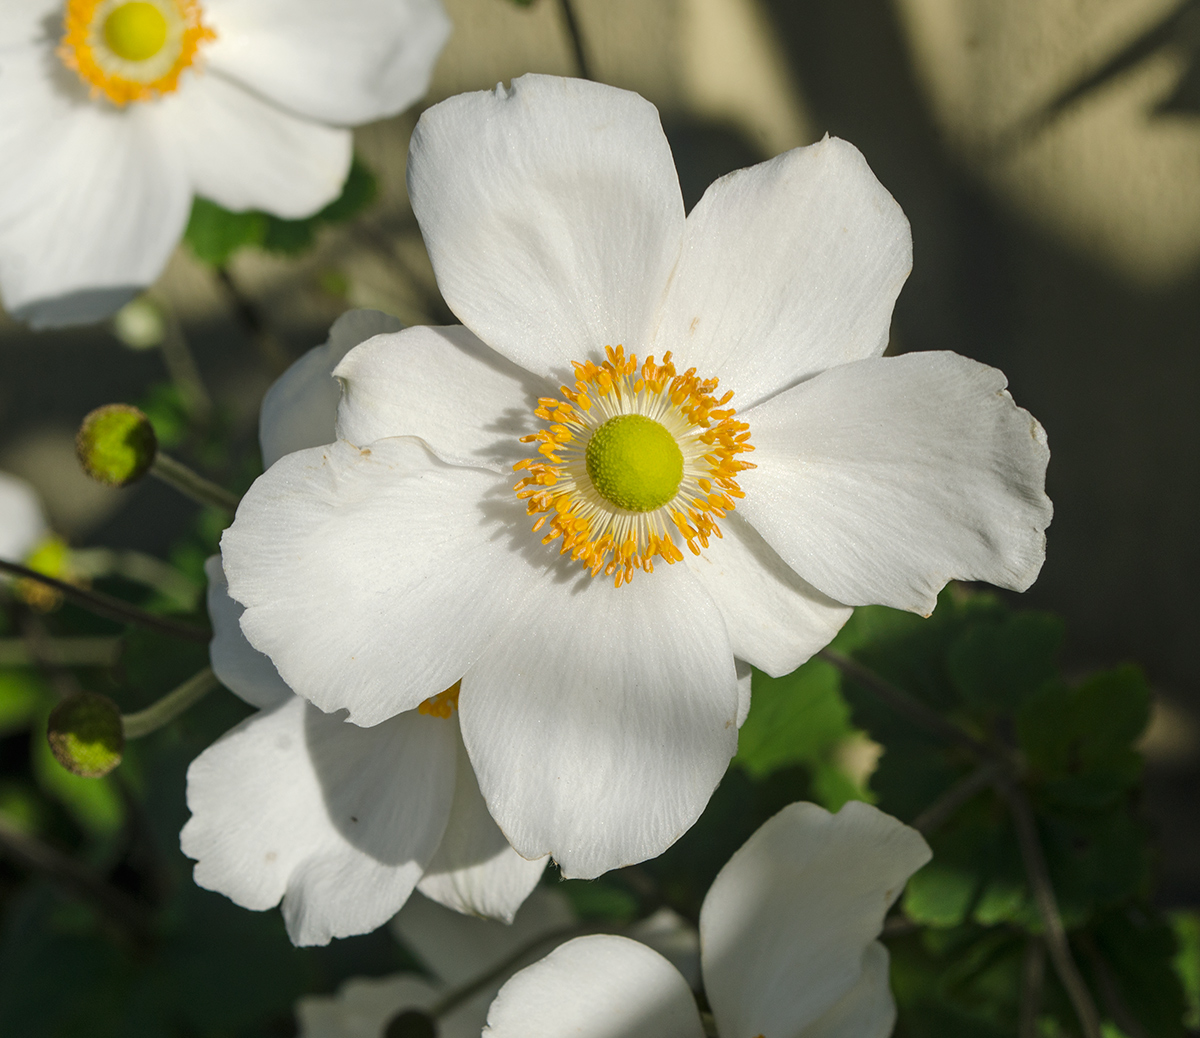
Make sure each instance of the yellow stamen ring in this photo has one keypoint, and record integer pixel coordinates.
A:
(630, 458)
(132, 50)
(442, 705)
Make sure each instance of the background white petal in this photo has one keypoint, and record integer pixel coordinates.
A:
(674, 938)
(457, 948)
(785, 924)
(596, 987)
(300, 408)
(337, 820)
(92, 200)
(745, 677)
(22, 523)
(882, 480)
(470, 404)
(552, 215)
(867, 1010)
(348, 62)
(245, 153)
(600, 719)
(788, 267)
(475, 870)
(239, 666)
(776, 620)
(364, 1006)
(374, 578)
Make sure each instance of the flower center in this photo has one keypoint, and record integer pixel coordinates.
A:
(132, 50)
(632, 459)
(442, 705)
(634, 463)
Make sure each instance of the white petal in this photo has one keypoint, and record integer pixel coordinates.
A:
(354, 566)
(552, 215)
(364, 1006)
(744, 679)
(674, 938)
(239, 666)
(788, 268)
(470, 404)
(475, 870)
(867, 1010)
(785, 924)
(300, 408)
(350, 62)
(245, 153)
(32, 22)
(882, 480)
(92, 201)
(596, 987)
(337, 820)
(458, 948)
(776, 620)
(22, 523)
(601, 719)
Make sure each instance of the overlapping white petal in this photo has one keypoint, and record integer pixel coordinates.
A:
(600, 723)
(881, 481)
(300, 408)
(787, 921)
(788, 268)
(552, 214)
(335, 820)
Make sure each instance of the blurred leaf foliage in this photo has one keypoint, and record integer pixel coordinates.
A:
(214, 234)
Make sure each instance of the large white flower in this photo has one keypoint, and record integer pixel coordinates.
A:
(383, 568)
(114, 113)
(787, 938)
(337, 821)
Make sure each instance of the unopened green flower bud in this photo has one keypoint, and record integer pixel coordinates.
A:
(116, 444)
(86, 735)
(140, 324)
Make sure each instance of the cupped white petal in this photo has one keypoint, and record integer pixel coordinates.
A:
(239, 666)
(596, 987)
(92, 200)
(22, 523)
(788, 268)
(470, 404)
(867, 1010)
(346, 63)
(475, 870)
(745, 677)
(375, 577)
(300, 408)
(786, 923)
(882, 480)
(364, 1006)
(600, 719)
(457, 948)
(552, 215)
(776, 619)
(338, 821)
(245, 153)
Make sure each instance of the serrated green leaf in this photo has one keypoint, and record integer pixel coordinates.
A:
(214, 234)
(996, 666)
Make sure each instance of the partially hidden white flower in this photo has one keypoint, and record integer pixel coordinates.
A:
(22, 522)
(114, 113)
(399, 560)
(788, 945)
(338, 821)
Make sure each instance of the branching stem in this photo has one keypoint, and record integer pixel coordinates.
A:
(170, 706)
(192, 484)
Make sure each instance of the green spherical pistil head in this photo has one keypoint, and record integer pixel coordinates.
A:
(634, 463)
(116, 444)
(135, 31)
(86, 734)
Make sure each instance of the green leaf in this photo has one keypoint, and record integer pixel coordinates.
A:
(996, 666)
(1187, 962)
(599, 899)
(1138, 948)
(214, 233)
(22, 692)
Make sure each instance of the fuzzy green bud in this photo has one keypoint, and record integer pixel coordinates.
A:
(116, 445)
(86, 735)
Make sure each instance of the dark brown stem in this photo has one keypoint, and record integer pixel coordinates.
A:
(1033, 975)
(248, 316)
(106, 605)
(940, 811)
(576, 37)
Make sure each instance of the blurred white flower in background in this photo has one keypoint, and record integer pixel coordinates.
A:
(22, 523)
(398, 561)
(788, 936)
(114, 113)
(338, 821)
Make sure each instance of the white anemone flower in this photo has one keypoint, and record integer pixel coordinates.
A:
(114, 113)
(337, 821)
(599, 656)
(22, 522)
(788, 945)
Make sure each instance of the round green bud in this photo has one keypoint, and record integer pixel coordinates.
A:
(634, 463)
(411, 1023)
(140, 324)
(116, 445)
(86, 735)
